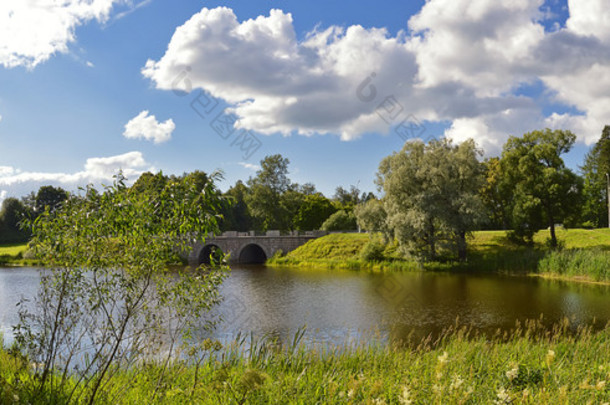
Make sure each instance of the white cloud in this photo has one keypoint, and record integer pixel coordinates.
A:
(462, 62)
(96, 170)
(31, 31)
(249, 166)
(3, 194)
(145, 126)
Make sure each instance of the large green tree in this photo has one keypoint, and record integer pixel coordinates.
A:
(545, 192)
(49, 197)
(595, 170)
(432, 196)
(312, 212)
(265, 203)
(12, 213)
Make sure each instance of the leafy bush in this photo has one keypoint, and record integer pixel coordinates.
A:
(340, 221)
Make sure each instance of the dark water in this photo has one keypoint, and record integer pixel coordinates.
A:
(336, 306)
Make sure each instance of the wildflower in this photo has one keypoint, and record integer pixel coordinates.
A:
(350, 394)
(503, 396)
(379, 401)
(550, 355)
(405, 396)
(456, 383)
(443, 358)
(600, 385)
(512, 373)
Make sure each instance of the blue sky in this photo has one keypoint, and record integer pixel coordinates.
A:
(88, 87)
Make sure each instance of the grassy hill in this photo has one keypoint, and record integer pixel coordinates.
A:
(487, 251)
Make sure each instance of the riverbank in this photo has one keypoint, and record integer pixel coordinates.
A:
(528, 366)
(585, 255)
(13, 255)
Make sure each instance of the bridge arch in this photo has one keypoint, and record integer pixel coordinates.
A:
(252, 253)
(207, 251)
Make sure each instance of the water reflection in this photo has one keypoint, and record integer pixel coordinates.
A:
(336, 306)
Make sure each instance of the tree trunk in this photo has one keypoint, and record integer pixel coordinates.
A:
(461, 245)
(552, 226)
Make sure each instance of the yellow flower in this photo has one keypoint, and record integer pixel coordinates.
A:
(600, 385)
(550, 356)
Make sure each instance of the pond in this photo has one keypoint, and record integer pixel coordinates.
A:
(337, 306)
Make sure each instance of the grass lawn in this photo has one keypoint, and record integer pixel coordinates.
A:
(13, 249)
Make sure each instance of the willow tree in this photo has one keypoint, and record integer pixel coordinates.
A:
(108, 300)
(432, 196)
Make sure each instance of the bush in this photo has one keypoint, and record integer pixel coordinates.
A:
(340, 221)
(373, 251)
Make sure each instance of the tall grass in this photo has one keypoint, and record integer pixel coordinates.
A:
(531, 365)
(591, 264)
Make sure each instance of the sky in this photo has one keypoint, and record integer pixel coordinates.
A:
(90, 87)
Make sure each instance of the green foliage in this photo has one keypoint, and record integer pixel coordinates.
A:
(371, 217)
(595, 168)
(590, 264)
(432, 196)
(49, 198)
(312, 212)
(109, 300)
(544, 191)
(340, 221)
(373, 251)
(12, 213)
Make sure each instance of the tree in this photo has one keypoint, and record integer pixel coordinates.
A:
(595, 169)
(265, 197)
(313, 211)
(49, 197)
(545, 191)
(371, 217)
(496, 195)
(12, 213)
(340, 221)
(149, 183)
(110, 301)
(432, 196)
(236, 216)
(273, 174)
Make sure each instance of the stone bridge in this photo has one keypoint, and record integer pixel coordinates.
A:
(250, 247)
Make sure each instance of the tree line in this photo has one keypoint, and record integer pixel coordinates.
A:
(431, 196)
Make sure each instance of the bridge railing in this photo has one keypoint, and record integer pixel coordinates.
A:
(275, 233)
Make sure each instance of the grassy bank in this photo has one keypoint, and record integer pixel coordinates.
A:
(13, 255)
(584, 254)
(528, 366)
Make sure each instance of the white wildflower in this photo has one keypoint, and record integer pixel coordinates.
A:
(405, 396)
(512, 373)
(443, 358)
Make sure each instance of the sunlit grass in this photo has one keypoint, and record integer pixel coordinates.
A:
(487, 251)
(530, 365)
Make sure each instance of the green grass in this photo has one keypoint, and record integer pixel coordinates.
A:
(527, 366)
(487, 251)
(13, 249)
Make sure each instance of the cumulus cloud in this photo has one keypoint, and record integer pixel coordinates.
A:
(31, 31)
(462, 62)
(145, 126)
(96, 170)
